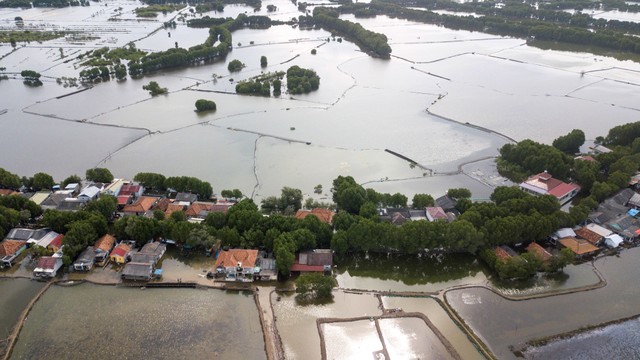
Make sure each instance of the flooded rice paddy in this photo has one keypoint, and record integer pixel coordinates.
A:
(90, 322)
(363, 106)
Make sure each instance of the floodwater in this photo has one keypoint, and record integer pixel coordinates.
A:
(91, 322)
(297, 324)
(15, 294)
(351, 340)
(502, 323)
(411, 338)
(364, 105)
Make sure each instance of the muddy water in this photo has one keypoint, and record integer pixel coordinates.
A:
(411, 338)
(501, 322)
(440, 319)
(297, 324)
(351, 340)
(90, 322)
(15, 294)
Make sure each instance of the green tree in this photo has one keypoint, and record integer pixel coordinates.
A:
(72, 179)
(42, 181)
(102, 175)
(571, 142)
(106, 206)
(205, 105)
(231, 194)
(217, 220)
(315, 286)
(140, 229)
(154, 88)
(421, 201)
(151, 181)
(177, 216)
(291, 198)
(80, 235)
(368, 210)
(235, 65)
(459, 193)
(9, 180)
(263, 61)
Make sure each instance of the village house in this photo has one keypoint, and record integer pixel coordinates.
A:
(591, 236)
(47, 267)
(119, 253)
(237, 264)
(8, 192)
(40, 196)
(544, 184)
(54, 200)
(185, 199)
(318, 260)
(71, 204)
(199, 209)
(89, 193)
(10, 250)
(613, 241)
(447, 203)
(173, 207)
(138, 271)
(114, 187)
(85, 260)
(579, 247)
(143, 263)
(46, 240)
(72, 189)
(504, 252)
(540, 252)
(103, 247)
(141, 206)
(436, 213)
(324, 215)
(131, 189)
(56, 244)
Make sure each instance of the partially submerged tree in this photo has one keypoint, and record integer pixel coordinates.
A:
(315, 286)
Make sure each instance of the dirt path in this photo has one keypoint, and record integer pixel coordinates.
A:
(272, 342)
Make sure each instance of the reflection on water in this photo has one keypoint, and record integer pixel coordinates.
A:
(431, 272)
(411, 338)
(622, 340)
(98, 322)
(351, 340)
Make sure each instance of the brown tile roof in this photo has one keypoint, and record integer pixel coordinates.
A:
(325, 215)
(10, 247)
(501, 253)
(198, 207)
(7, 192)
(162, 204)
(539, 251)
(143, 204)
(47, 262)
(173, 208)
(129, 189)
(105, 243)
(579, 247)
(589, 235)
(232, 257)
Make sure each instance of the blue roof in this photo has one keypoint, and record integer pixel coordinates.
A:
(157, 272)
(633, 212)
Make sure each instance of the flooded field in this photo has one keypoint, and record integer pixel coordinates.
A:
(15, 294)
(89, 321)
(245, 143)
(526, 320)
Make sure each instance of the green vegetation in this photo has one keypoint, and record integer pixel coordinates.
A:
(31, 78)
(302, 81)
(95, 74)
(159, 183)
(252, 87)
(43, 3)
(205, 105)
(152, 11)
(28, 35)
(288, 203)
(370, 42)
(263, 61)
(315, 286)
(235, 65)
(571, 142)
(154, 89)
(102, 175)
(232, 194)
(518, 161)
(106, 57)
(421, 201)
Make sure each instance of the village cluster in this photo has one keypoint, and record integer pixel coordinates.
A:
(141, 264)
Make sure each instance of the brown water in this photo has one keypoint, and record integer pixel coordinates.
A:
(15, 294)
(502, 323)
(94, 322)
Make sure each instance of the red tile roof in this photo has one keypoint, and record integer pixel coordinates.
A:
(10, 247)
(162, 204)
(123, 199)
(7, 192)
(501, 253)
(198, 207)
(232, 257)
(173, 208)
(129, 189)
(57, 242)
(307, 268)
(579, 247)
(436, 213)
(121, 250)
(47, 262)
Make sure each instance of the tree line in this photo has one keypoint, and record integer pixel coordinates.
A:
(158, 183)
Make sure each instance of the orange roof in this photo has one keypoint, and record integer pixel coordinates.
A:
(539, 251)
(579, 247)
(325, 215)
(10, 247)
(232, 257)
(591, 236)
(105, 243)
(501, 253)
(57, 242)
(198, 207)
(162, 204)
(7, 192)
(173, 208)
(143, 204)
(121, 250)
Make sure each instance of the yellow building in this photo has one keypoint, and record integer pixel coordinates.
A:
(119, 253)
